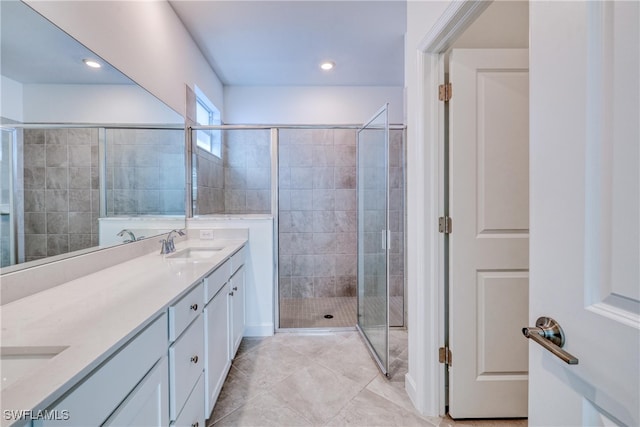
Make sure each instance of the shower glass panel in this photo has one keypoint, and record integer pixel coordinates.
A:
(373, 232)
(7, 243)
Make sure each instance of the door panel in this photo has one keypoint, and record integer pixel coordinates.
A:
(503, 152)
(488, 255)
(584, 210)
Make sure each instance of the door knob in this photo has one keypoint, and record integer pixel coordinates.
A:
(550, 335)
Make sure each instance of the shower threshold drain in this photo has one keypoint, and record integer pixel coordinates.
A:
(328, 316)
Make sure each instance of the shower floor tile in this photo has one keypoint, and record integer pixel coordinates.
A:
(310, 312)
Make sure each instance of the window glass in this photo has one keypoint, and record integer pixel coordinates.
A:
(207, 114)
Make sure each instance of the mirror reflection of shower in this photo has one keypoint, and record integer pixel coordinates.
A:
(8, 250)
(63, 184)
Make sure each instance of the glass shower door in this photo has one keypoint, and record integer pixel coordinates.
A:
(373, 232)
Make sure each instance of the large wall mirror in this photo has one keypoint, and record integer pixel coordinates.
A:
(89, 159)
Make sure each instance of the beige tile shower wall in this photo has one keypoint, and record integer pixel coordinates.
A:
(61, 191)
(210, 184)
(317, 220)
(247, 171)
(396, 213)
(145, 172)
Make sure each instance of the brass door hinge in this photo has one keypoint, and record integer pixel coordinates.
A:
(444, 355)
(444, 224)
(445, 92)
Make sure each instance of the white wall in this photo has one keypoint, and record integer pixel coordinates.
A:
(46, 103)
(11, 102)
(310, 104)
(143, 39)
(422, 380)
(259, 280)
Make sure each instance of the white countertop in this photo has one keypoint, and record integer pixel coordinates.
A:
(94, 316)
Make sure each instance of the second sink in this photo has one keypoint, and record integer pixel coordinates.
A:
(16, 362)
(195, 253)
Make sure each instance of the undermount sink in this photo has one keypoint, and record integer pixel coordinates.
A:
(15, 362)
(195, 253)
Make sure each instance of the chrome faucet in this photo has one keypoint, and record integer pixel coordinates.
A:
(167, 244)
(132, 237)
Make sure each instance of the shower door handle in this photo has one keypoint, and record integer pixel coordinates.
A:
(385, 235)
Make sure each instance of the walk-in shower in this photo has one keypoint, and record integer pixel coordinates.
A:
(306, 178)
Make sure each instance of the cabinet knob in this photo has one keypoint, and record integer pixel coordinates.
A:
(196, 424)
(194, 307)
(194, 359)
(235, 288)
(231, 293)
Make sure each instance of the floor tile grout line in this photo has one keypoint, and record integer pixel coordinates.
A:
(344, 337)
(257, 395)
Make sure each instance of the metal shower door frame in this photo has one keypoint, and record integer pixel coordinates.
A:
(382, 365)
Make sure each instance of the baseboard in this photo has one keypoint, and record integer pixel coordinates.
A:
(410, 388)
(259, 330)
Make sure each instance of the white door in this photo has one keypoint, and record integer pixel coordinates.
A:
(585, 256)
(489, 243)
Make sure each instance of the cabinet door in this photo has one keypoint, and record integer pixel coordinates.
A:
(193, 413)
(237, 311)
(147, 405)
(216, 346)
(186, 363)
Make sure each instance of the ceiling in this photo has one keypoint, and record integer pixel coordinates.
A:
(265, 42)
(33, 50)
(282, 43)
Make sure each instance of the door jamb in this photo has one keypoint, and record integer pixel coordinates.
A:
(430, 396)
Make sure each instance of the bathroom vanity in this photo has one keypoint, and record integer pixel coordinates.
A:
(145, 342)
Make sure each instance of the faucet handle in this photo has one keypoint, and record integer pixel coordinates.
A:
(164, 247)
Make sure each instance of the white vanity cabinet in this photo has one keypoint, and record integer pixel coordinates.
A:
(236, 307)
(186, 358)
(146, 405)
(107, 389)
(224, 323)
(216, 314)
(171, 372)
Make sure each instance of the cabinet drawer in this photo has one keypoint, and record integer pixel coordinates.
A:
(186, 364)
(193, 412)
(147, 405)
(95, 398)
(216, 280)
(182, 313)
(237, 259)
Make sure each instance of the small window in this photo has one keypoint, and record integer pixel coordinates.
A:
(207, 114)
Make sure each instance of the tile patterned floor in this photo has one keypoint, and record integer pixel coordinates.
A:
(321, 379)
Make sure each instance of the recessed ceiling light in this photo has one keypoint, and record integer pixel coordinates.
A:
(91, 63)
(327, 65)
